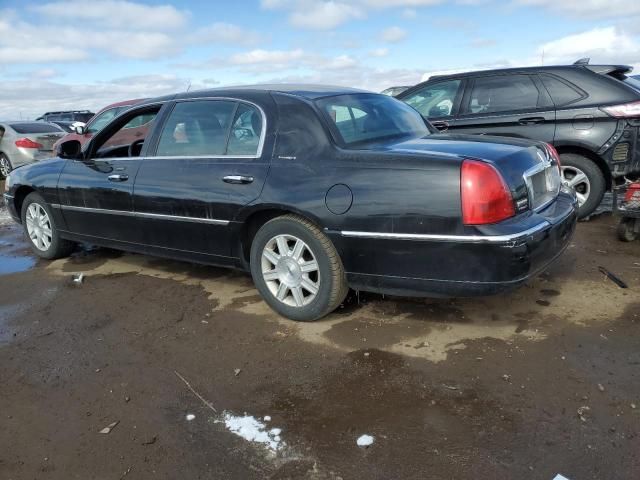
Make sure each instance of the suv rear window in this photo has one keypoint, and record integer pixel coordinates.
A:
(503, 93)
(35, 127)
(632, 82)
(561, 92)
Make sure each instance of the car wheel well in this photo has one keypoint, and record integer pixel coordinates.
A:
(251, 226)
(20, 195)
(599, 161)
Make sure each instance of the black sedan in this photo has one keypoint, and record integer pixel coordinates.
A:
(312, 189)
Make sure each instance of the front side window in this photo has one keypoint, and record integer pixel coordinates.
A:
(125, 142)
(503, 94)
(435, 100)
(102, 119)
(367, 118)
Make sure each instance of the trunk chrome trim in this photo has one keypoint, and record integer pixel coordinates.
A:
(157, 216)
(449, 238)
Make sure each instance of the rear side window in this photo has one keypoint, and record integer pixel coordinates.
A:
(35, 127)
(245, 131)
(197, 128)
(503, 94)
(561, 93)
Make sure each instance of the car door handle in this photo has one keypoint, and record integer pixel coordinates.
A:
(441, 125)
(237, 179)
(118, 178)
(531, 120)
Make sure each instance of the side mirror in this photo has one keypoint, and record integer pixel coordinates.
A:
(79, 127)
(71, 149)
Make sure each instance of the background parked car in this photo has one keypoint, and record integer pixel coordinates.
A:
(26, 142)
(590, 113)
(104, 116)
(394, 91)
(66, 126)
(67, 116)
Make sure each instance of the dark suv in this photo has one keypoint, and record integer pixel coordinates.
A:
(67, 116)
(590, 113)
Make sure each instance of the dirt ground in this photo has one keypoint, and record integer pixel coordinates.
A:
(538, 382)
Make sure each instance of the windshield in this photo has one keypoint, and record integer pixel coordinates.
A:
(35, 127)
(368, 117)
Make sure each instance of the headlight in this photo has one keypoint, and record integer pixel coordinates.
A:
(7, 183)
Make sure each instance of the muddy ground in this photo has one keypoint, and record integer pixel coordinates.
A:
(541, 381)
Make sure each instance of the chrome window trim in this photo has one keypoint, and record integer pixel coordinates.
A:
(263, 131)
(448, 238)
(158, 216)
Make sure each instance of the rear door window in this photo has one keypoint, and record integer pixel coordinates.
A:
(436, 100)
(561, 92)
(197, 128)
(246, 131)
(503, 93)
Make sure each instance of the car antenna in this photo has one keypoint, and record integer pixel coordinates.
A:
(582, 61)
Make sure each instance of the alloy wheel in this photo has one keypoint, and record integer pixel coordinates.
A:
(290, 270)
(39, 227)
(5, 167)
(577, 180)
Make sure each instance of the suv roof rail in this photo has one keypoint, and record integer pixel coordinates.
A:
(67, 111)
(582, 61)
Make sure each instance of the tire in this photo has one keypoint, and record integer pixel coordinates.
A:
(590, 190)
(626, 229)
(5, 166)
(36, 217)
(287, 284)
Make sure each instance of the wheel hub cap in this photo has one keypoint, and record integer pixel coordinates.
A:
(39, 227)
(290, 270)
(577, 180)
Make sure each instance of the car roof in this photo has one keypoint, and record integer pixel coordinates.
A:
(307, 91)
(603, 69)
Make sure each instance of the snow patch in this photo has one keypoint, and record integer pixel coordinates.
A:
(190, 417)
(365, 441)
(253, 430)
(5, 218)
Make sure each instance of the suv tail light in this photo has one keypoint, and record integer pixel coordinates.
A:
(625, 110)
(27, 143)
(485, 195)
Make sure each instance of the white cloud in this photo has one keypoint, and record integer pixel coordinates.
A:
(393, 34)
(274, 57)
(116, 13)
(587, 8)
(409, 13)
(41, 54)
(325, 15)
(221, 32)
(379, 52)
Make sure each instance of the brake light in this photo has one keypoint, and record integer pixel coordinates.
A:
(633, 193)
(27, 143)
(484, 193)
(625, 110)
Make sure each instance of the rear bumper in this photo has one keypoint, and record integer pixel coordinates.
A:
(459, 266)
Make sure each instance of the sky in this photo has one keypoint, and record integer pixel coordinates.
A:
(59, 55)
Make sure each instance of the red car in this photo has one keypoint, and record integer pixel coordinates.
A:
(126, 136)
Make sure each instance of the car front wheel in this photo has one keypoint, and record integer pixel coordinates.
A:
(586, 179)
(41, 230)
(296, 269)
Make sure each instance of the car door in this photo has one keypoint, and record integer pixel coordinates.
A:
(210, 160)
(510, 105)
(437, 101)
(95, 193)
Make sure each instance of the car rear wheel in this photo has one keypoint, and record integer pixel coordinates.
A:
(296, 269)
(41, 229)
(5, 166)
(586, 179)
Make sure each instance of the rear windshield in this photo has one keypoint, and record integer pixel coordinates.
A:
(35, 127)
(364, 118)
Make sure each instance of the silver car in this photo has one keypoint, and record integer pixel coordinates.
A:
(26, 142)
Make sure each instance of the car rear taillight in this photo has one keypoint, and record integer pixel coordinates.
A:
(27, 143)
(633, 193)
(625, 110)
(485, 195)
